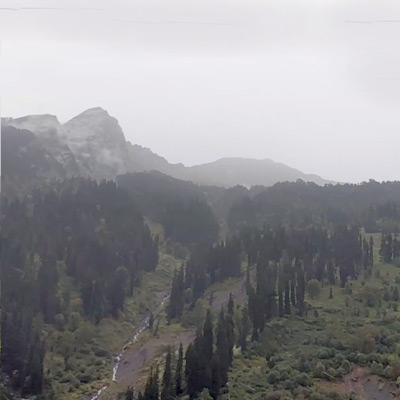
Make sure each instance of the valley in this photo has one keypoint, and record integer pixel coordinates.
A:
(200, 200)
(143, 286)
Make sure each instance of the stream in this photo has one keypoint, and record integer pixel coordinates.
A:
(143, 326)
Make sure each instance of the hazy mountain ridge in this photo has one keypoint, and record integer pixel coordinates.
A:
(92, 144)
(247, 172)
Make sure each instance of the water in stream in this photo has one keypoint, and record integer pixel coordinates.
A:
(144, 324)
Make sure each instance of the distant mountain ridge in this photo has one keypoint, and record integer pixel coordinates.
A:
(247, 172)
(92, 144)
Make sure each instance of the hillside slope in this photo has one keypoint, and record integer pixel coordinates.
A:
(248, 172)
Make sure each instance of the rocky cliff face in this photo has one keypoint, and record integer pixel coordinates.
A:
(97, 142)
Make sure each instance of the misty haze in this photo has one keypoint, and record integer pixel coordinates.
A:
(200, 200)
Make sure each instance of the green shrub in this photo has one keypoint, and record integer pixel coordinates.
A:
(272, 377)
(376, 368)
(346, 366)
(59, 322)
(319, 370)
(102, 353)
(324, 354)
(340, 373)
(313, 288)
(303, 380)
(85, 377)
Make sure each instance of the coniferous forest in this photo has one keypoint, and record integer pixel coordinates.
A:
(200, 200)
(286, 292)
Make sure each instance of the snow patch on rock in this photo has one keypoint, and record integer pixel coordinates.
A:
(43, 126)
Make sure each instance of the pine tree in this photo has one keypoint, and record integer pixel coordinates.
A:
(293, 292)
(245, 328)
(280, 297)
(191, 372)
(208, 339)
(371, 251)
(222, 347)
(230, 328)
(129, 394)
(155, 390)
(301, 288)
(176, 301)
(331, 272)
(396, 294)
(178, 372)
(248, 282)
(216, 382)
(167, 387)
(287, 298)
(386, 251)
(151, 388)
(196, 366)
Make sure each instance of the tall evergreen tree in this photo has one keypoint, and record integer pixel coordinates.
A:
(167, 384)
(208, 336)
(179, 372)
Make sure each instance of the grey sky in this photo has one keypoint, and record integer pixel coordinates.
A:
(313, 84)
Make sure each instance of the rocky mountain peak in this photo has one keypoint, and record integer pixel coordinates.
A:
(44, 126)
(98, 143)
(92, 124)
(93, 144)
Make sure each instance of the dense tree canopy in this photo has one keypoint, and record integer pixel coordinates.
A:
(92, 232)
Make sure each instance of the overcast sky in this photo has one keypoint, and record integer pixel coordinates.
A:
(313, 84)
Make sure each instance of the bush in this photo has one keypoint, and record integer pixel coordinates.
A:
(303, 380)
(370, 296)
(346, 366)
(319, 370)
(85, 377)
(313, 288)
(340, 373)
(59, 322)
(376, 368)
(74, 321)
(331, 372)
(388, 372)
(324, 354)
(69, 378)
(272, 377)
(281, 395)
(102, 353)
(317, 396)
(284, 376)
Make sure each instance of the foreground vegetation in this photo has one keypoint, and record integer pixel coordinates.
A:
(308, 356)
(314, 283)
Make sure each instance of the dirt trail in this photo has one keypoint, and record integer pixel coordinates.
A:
(137, 358)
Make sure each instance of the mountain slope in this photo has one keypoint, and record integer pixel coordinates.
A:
(247, 172)
(25, 161)
(93, 144)
(46, 130)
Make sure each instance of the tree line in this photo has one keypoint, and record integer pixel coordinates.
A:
(390, 247)
(207, 264)
(88, 231)
(299, 204)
